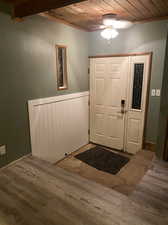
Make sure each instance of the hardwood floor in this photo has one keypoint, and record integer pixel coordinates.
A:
(33, 192)
(152, 191)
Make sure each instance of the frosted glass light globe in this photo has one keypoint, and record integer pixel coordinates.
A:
(109, 33)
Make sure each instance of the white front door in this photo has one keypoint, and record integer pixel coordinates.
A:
(108, 87)
(116, 105)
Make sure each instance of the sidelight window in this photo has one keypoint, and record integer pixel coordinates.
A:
(137, 85)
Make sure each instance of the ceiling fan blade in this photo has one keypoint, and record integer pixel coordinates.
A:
(102, 26)
(121, 24)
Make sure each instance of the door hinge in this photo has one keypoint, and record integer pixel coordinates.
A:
(88, 70)
(88, 102)
(89, 131)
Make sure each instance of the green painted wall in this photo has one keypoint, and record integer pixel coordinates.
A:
(5, 8)
(163, 118)
(140, 38)
(27, 71)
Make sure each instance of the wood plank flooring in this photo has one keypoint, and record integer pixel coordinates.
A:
(152, 191)
(33, 192)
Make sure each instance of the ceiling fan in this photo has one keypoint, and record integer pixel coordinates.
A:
(111, 24)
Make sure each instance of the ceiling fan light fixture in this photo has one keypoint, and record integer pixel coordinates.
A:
(109, 33)
(110, 23)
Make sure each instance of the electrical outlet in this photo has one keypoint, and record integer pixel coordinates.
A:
(2, 150)
(158, 92)
(153, 92)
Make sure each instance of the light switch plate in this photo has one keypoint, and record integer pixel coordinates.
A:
(153, 92)
(2, 150)
(157, 92)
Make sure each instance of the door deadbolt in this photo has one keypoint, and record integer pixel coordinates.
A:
(122, 102)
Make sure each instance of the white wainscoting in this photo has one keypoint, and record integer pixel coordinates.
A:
(58, 125)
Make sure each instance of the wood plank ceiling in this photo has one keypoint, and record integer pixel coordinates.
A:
(88, 14)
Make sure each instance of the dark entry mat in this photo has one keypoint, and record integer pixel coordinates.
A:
(102, 159)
